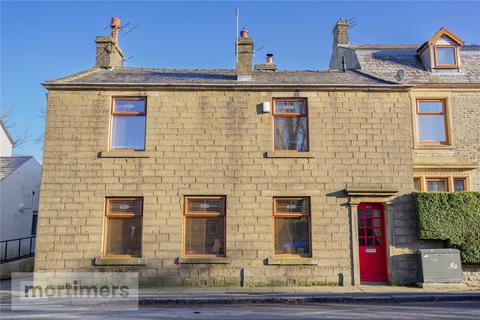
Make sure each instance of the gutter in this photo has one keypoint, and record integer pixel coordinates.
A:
(448, 85)
(210, 86)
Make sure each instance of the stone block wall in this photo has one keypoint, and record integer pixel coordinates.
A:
(214, 143)
(471, 274)
(464, 117)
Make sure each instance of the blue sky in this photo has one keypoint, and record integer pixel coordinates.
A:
(45, 40)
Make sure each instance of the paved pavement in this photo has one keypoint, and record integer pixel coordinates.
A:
(413, 310)
(363, 302)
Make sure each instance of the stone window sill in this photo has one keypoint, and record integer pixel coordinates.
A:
(119, 261)
(288, 154)
(203, 260)
(434, 147)
(123, 154)
(292, 261)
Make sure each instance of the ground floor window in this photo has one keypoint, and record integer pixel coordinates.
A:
(292, 226)
(436, 184)
(440, 184)
(459, 184)
(204, 227)
(123, 227)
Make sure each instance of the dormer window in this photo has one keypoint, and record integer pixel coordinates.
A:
(445, 57)
(441, 51)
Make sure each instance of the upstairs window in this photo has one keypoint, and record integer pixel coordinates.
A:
(128, 124)
(432, 122)
(445, 56)
(290, 128)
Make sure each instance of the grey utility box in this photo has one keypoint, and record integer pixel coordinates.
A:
(440, 266)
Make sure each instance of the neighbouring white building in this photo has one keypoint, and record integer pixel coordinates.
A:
(6, 141)
(19, 191)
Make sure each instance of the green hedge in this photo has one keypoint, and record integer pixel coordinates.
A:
(454, 217)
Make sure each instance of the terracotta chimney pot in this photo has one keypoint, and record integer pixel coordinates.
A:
(269, 58)
(115, 24)
(244, 33)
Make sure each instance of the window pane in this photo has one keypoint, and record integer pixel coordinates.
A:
(128, 132)
(416, 184)
(292, 235)
(378, 237)
(459, 185)
(369, 212)
(290, 107)
(34, 223)
(125, 206)
(430, 106)
(432, 128)
(445, 56)
(205, 205)
(437, 185)
(123, 236)
(360, 214)
(129, 106)
(291, 133)
(205, 235)
(291, 206)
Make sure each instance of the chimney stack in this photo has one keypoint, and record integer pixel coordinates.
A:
(109, 54)
(340, 60)
(268, 65)
(244, 56)
(340, 32)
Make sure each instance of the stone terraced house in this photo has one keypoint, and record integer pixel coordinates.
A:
(256, 176)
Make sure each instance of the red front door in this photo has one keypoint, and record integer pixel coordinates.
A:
(371, 242)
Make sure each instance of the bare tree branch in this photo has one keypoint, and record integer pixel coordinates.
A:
(18, 139)
(41, 138)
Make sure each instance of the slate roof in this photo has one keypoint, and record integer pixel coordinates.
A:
(10, 164)
(174, 77)
(384, 61)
